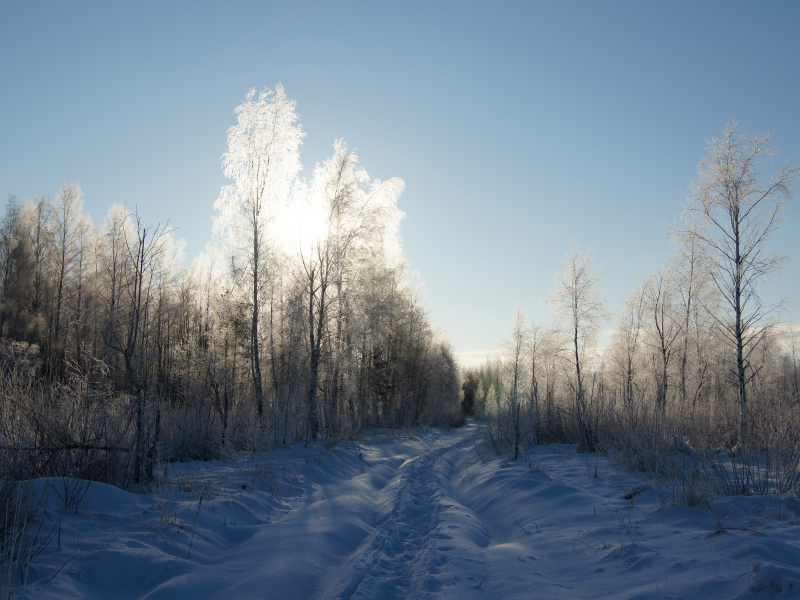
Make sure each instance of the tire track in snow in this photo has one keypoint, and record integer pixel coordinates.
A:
(407, 554)
(399, 552)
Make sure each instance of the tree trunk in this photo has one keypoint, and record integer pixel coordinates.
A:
(255, 359)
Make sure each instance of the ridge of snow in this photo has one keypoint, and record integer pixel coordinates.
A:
(427, 515)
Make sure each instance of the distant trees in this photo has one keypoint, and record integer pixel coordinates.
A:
(469, 388)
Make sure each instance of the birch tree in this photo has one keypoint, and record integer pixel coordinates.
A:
(689, 284)
(357, 217)
(536, 334)
(83, 281)
(12, 259)
(737, 208)
(69, 225)
(262, 160)
(581, 310)
(38, 218)
(515, 347)
(113, 268)
(663, 328)
(627, 341)
(143, 246)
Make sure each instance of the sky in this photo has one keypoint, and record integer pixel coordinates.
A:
(518, 127)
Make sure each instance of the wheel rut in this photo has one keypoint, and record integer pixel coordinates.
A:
(407, 555)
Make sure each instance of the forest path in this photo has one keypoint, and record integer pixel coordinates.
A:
(435, 515)
(426, 515)
(387, 527)
(422, 538)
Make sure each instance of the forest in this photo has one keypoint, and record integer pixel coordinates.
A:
(699, 386)
(298, 322)
(294, 362)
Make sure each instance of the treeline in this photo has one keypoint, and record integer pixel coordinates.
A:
(298, 322)
(699, 364)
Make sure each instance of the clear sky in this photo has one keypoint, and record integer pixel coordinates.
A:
(517, 126)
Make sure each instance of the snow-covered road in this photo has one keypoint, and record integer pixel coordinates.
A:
(425, 515)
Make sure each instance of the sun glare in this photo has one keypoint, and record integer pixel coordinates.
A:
(303, 225)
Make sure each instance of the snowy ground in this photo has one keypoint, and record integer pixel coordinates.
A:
(430, 515)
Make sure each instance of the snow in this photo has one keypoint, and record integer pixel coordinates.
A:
(427, 514)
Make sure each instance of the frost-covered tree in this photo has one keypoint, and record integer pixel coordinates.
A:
(134, 350)
(575, 297)
(515, 347)
(113, 270)
(628, 342)
(734, 209)
(69, 226)
(263, 161)
(13, 259)
(347, 221)
(536, 343)
(144, 249)
(690, 285)
(83, 296)
(663, 327)
(38, 217)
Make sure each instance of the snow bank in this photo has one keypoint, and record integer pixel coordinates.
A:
(426, 515)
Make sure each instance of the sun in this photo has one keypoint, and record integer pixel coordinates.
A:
(303, 225)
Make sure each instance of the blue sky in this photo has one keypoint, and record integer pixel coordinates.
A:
(517, 126)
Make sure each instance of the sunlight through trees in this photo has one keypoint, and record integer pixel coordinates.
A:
(298, 322)
(698, 366)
